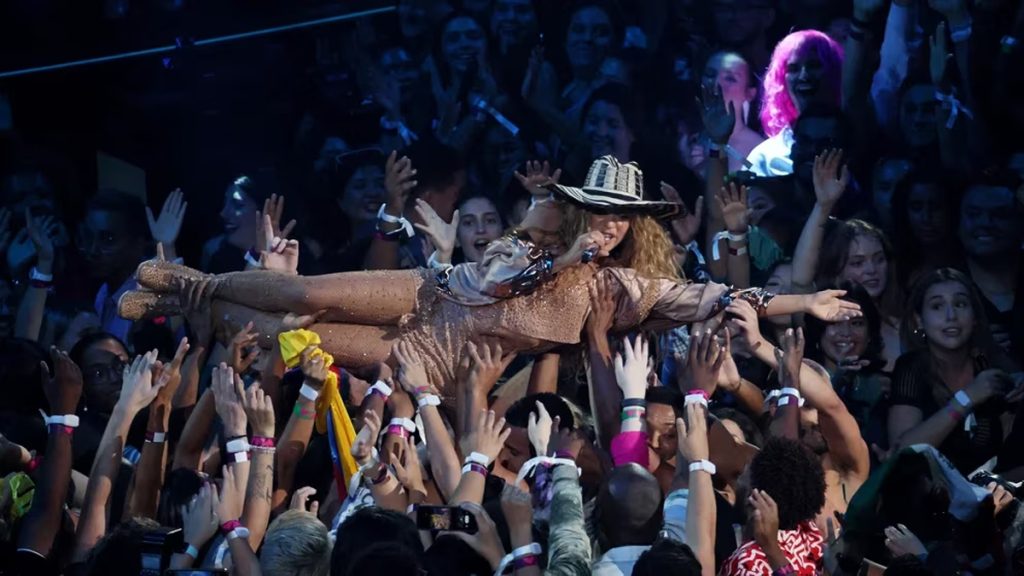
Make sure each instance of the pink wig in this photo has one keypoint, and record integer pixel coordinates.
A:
(778, 111)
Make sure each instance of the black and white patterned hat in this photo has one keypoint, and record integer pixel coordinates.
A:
(615, 188)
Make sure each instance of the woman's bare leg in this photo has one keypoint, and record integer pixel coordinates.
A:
(353, 346)
(377, 298)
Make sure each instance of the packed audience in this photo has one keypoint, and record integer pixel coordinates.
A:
(827, 196)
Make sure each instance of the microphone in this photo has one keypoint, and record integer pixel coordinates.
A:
(589, 254)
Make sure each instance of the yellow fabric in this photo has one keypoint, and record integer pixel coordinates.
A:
(329, 404)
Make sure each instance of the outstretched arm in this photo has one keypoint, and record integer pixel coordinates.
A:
(829, 185)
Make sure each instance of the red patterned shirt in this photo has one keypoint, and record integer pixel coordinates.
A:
(802, 547)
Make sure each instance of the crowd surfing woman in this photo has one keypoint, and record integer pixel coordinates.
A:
(519, 292)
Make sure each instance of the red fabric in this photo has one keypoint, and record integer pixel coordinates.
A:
(803, 548)
(630, 447)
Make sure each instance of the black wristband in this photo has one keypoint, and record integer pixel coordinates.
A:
(631, 402)
(858, 23)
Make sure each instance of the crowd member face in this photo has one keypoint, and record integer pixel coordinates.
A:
(506, 151)
(691, 149)
(479, 225)
(918, 116)
(810, 432)
(615, 69)
(413, 18)
(731, 74)
(516, 450)
(839, 29)
(805, 77)
(812, 137)
(780, 282)
(614, 228)
(990, 223)
(462, 44)
(543, 221)
(845, 340)
(588, 38)
(734, 429)
(364, 193)
(102, 370)
(887, 175)
(759, 202)
(239, 216)
(867, 265)
(443, 200)
(397, 63)
(109, 248)
(740, 22)
(927, 213)
(661, 432)
(946, 316)
(605, 128)
(514, 22)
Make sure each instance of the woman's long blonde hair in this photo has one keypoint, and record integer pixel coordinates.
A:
(646, 248)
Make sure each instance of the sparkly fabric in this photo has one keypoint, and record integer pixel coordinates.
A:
(510, 266)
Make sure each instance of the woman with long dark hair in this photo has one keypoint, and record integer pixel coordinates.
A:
(948, 388)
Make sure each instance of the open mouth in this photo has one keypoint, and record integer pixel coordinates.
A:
(952, 332)
(805, 88)
(844, 347)
(481, 243)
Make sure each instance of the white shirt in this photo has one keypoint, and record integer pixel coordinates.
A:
(771, 157)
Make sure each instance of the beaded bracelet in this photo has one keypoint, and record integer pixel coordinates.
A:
(634, 412)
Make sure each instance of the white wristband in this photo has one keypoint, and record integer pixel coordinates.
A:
(409, 425)
(963, 399)
(381, 388)
(38, 276)
(308, 392)
(238, 445)
(783, 400)
(528, 550)
(192, 552)
(703, 466)
(156, 437)
(429, 400)
(400, 220)
(240, 532)
(478, 458)
(251, 261)
(695, 399)
(69, 420)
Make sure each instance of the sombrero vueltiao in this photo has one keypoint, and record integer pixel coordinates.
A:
(615, 188)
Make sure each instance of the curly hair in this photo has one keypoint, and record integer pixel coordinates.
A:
(778, 111)
(646, 248)
(793, 477)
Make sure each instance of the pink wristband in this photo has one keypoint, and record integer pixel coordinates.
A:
(525, 561)
(229, 526)
(398, 430)
(262, 442)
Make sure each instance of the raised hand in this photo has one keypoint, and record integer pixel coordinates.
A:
(165, 228)
(302, 499)
(398, 181)
(259, 410)
(705, 361)
(732, 203)
(584, 242)
(274, 208)
(686, 224)
(538, 175)
(411, 374)
(829, 182)
(244, 350)
(828, 305)
(64, 389)
(538, 429)
(488, 436)
(195, 298)
(137, 388)
(199, 518)
(632, 368)
(487, 362)
(313, 367)
(168, 376)
(442, 235)
(232, 495)
(41, 233)
(227, 396)
(410, 473)
(602, 307)
(718, 115)
(565, 442)
(485, 541)
(743, 322)
(692, 435)
(939, 57)
(901, 541)
(277, 253)
(790, 357)
(517, 506)
(366, 439)
(765, 519)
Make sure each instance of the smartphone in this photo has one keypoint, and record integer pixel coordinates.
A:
(436, 518)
